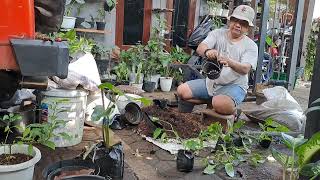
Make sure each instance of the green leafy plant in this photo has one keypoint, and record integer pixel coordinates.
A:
(76, 44)
(36, 133)
(163, 134)
(270, 126)
(99, 50)
(122, 71)
(101, 15)
(179, 55)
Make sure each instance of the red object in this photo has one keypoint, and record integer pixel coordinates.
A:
(16, 21)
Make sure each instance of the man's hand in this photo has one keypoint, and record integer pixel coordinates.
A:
(211, 54)
(224, 60)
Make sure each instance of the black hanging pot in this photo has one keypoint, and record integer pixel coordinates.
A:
(212, 68)
(185, 161)
(107, 7)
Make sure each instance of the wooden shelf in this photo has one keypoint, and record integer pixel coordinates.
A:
(92, 31)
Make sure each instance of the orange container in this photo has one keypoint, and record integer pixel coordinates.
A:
(16, 21)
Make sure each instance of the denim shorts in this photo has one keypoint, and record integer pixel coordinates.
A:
(199, 91)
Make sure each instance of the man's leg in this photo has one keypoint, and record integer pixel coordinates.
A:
(194, 91)
(227, 98)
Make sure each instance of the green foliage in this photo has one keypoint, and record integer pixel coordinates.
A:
(307, 150)
(37, 133)
(311, 49)
(99, 49)
(311, 170)
(271, 126)
(100, 112)
(122, 71)
(179, 55)
(75, 43)
(303, 150)
(229, 169)
(101, 14)
(193, 144)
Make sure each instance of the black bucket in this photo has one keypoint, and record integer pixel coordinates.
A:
(185, 106)
(53, 170)
(133, 113)
(212, 69)
(185, 161)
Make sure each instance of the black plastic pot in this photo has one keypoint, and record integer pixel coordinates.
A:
(110, 160)
(151, 124)
(265, 143)
(185, 161)
(73, 164)
(212, 69)
(185, 106)
(100, 25)
(117, 122)
(133, 113)
(79, 20)
(162, 103)
(149, 86)
(107, 7)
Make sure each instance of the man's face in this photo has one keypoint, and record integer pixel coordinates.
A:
(238, 27)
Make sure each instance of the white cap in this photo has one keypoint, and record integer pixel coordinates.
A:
(244, 12)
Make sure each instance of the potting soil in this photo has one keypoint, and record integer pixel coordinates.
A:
(187, 125)
(6, 159)
(63, 174)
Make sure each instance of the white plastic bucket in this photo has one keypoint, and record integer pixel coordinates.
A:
(19, 171)
(68, 22)
(122, 101)
(74, 113)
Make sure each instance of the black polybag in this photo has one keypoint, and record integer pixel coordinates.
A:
(110, 161)
(200, 32)
(118, 122)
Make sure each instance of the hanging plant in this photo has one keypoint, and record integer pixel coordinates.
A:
(109, 5)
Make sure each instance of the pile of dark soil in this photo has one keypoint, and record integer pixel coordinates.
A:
(187, 125)
(11, 159)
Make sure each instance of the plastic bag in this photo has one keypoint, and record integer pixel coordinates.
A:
(200, 33)
(281, 107)
(110, 161)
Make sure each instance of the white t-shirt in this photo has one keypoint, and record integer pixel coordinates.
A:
(243, 51)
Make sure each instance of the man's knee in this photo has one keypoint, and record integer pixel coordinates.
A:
(184, 91)
(223, 104)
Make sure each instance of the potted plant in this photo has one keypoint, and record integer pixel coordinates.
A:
(109, 5)
(122, 72)
(101, 22)
(269, 126)
(138, 77)
(165, 80)
(179, 56)
(19, 157)
(68, 20)
(99, 51)
(105, 151)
